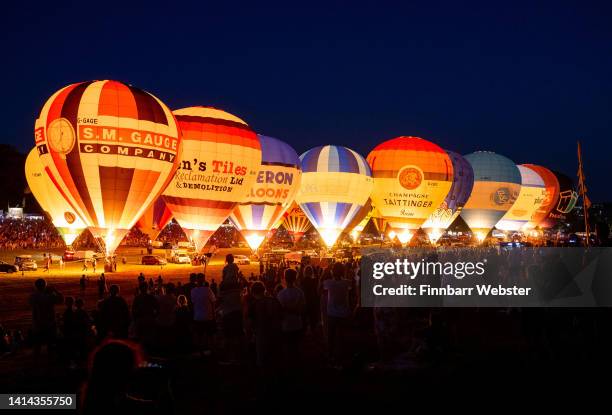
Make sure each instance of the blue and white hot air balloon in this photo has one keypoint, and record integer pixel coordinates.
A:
(336, 184)
(277, 183)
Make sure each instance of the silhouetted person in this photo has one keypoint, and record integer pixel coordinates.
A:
(144, 312)
(43, 302)
(114, 315)
(106, 391)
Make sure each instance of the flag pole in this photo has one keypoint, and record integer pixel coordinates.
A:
(586, 203)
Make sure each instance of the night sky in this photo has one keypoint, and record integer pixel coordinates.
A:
(524, 79)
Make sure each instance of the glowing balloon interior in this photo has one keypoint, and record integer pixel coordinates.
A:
(110, 149)
(531, 196)
(62, 215)
(277, 183)
(497, 182)
(155, 219)
(218, 165)
(336, 184)
(412, 176)
(460, 191)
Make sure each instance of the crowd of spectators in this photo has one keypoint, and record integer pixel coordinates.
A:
(28, 234)
(259, 319)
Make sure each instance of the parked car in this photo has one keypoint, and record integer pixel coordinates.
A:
(8, 268)
(181, 258)
(70, 255)
(241, 260)
(25, 263)
(153, 260)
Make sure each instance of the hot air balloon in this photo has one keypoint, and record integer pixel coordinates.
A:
(336, 183)
(445, 214)
(110, 149)
(360, 220)
(155, 219)
(379, 221)
(412, 176)
(218, 164)
(296, 222)
(565, 202)
(64, 217)
(531, 196)
(278, 180)
(497, 182)
(551, 185)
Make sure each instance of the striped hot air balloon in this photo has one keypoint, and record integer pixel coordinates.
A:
(551, 185)
(497, 182)
(531, 196)
(218, 164)
(445, 215)
(64, 217)
(274, 190)
(360, 220)
(155, 219)
(110, 149)
(412, 176)
(296, 222)
(336, 184)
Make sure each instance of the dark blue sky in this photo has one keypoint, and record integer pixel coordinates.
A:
(524, 79)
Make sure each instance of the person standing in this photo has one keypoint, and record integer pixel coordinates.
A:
(203, 303)
(114, 315)
(43, 302)
(338, 310)
(101, 286)
(292, 301)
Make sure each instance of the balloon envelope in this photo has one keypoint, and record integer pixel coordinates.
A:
(565, 202)
(497, 182)
(551, 185)
(360, 220)
(155, 219)
(277, 183)
(412, 176)
(63, 216)
(336, 184)
(531, 196)
(218, 164)
(110, 149)
(296, 222)
(460, 191)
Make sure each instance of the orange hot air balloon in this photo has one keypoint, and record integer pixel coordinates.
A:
(412, 176)
(551, 185)
(155, 219)
(110, 149)
(64, 218)
(296, 222)
(218, 165)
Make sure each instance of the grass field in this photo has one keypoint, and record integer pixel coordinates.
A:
(15, 288)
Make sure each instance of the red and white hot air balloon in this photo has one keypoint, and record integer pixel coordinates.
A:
(110, 149)
(155, 219)
(218, 165)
